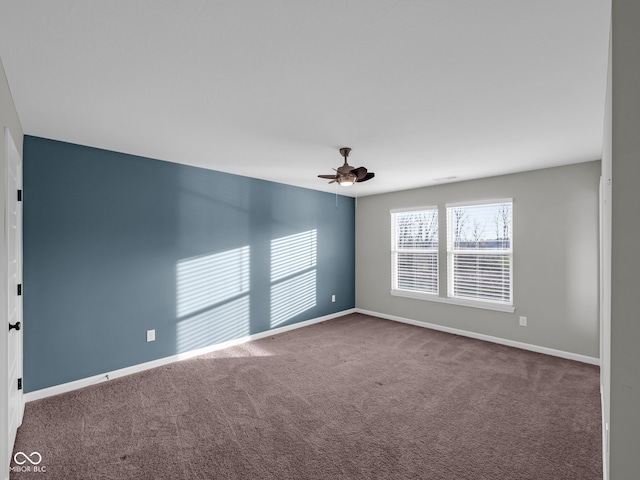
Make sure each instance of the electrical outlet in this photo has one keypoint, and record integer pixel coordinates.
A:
(151, 335)
(333, 298)
(523, 321)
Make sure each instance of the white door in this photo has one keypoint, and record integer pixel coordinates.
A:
(13, 228)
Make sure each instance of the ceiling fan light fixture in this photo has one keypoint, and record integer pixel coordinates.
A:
(346, 180)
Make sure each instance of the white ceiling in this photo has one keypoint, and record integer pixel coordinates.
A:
(420, 90)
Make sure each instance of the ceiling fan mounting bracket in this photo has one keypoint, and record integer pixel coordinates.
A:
(345, 152)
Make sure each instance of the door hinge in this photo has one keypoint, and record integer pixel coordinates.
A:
(19, 195)
(19, 289)
(19, 384)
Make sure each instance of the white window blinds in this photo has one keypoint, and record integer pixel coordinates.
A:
(479, 252)
(414, 250)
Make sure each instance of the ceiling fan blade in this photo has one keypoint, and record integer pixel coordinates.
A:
(368, 176)
(332, 181)
(360, 173)
(327, 176)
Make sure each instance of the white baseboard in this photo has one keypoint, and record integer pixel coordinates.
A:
(104, 377)
(502, 341)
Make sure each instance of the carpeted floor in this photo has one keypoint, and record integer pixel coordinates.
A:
(352, 398)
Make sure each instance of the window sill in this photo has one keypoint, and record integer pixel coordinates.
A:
(454, 301)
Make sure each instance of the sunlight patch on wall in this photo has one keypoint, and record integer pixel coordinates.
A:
(293, 296)
(207, 280)
(292, 254)
(293, 275)
(227, 321)
(212, 298)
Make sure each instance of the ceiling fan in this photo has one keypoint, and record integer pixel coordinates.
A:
(347, 175)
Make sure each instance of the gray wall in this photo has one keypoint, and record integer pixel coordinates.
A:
(625, 236)
(116, 245)
(555, 217)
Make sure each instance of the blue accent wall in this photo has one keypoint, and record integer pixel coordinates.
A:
(115, 245)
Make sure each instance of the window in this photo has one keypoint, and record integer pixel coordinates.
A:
(479, 252)
(414, 250)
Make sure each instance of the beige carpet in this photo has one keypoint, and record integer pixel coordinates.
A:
(353, 398)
